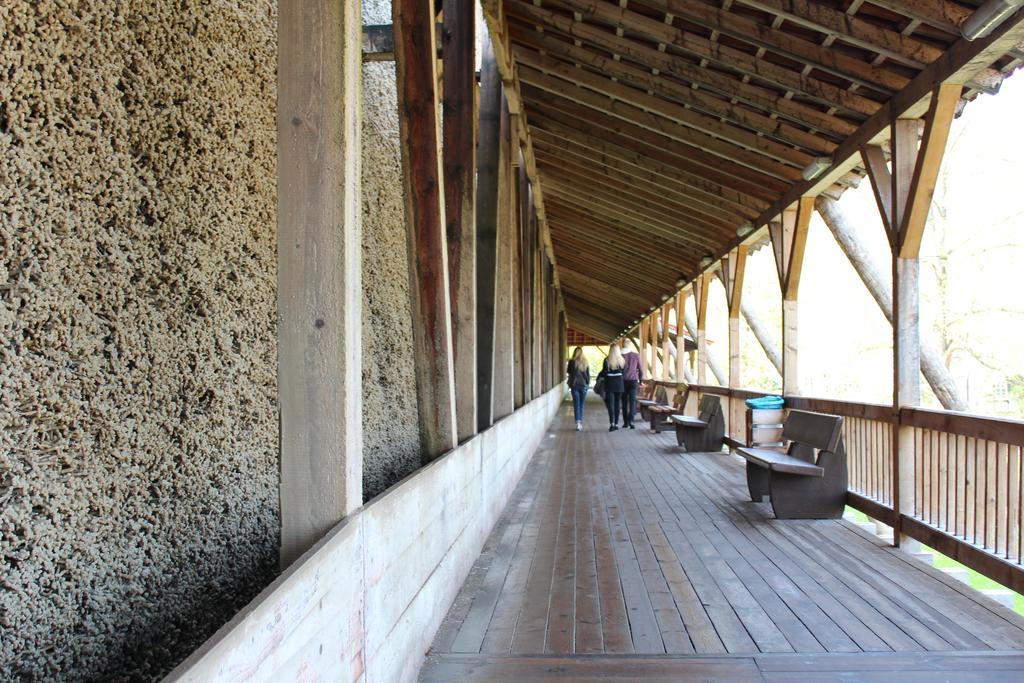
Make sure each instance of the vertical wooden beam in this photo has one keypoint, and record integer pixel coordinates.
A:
(416, 72)
(680, 335)
(515, 227)
(700, 297)
(789, 240)
(486, 228)
(733, 271)
(319, 289)
(459, 150)
(652, 331)
(911, 185)
(503, 380)
(665, 364)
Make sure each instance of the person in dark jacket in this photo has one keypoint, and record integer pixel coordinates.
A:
(577, 376)
(611, 372)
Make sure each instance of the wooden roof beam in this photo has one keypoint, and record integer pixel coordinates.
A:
(633, 193)
(701, 100)
(750, 66)
(599, 125)
(653, 222)
(759, 35)
(579, 156)
(727, 86)
(743, 147)
(690, 182)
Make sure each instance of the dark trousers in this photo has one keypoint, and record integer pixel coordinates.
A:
(629, 401)
(612, 400)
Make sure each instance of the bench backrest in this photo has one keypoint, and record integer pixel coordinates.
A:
(811, 433)
(709, 404)
(661, 394)
(679, 399)
(647, 393)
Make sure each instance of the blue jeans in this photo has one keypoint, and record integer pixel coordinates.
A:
(579, 395)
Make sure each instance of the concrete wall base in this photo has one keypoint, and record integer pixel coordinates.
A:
(365, 602)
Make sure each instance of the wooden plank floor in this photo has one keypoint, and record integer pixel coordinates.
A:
(622, 544)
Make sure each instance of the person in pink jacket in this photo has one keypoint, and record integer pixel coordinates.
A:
(632, 377)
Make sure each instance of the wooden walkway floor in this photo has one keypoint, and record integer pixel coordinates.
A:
(622, 544)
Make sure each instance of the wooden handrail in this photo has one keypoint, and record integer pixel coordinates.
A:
(867, 411)
(998, 429)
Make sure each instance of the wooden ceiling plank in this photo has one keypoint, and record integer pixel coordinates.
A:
(765, 99)
(613, 168)
(701, 100)
(571, 222)
(635, 177)
(850, 29)
(632, 192)
(656, 223)
(698, 187)
(757, 34)
(748, 65)
(748, 145)
(597, 125)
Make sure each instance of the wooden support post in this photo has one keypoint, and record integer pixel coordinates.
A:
(652, 331)
(416, 75)
(680, 336)
(486, 229)
(904, 196)
(459, 151)
(700, 298)
(319, 290)
(503, 380)
(664, 341)
(733, 270)
(519, 273)
(789, 239)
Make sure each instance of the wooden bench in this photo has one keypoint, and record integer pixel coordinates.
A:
(807, 480)
(660, 414)
(654, 395)
(706, 432)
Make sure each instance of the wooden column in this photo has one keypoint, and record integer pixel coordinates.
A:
(789, 239)
(700, 298)
(459, 151)
(416, 73)
(488, 152)
(503, 379)
(665, 364)
(519, 322)
(319, 289)
(733, 269)
(904, 197)
(652, 331)
(680, 335)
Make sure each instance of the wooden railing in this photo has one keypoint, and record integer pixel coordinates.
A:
(964, 475)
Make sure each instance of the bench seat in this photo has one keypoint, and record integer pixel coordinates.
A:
(705, 432)
(689, 421)
(777, 460)
(660, 414)
(807, 480)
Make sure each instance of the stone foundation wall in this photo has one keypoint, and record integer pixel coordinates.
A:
(138, 427)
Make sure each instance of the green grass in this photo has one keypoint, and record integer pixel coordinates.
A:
(940, 561)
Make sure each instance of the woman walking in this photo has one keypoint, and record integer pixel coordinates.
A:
(613, 384)
(577, 375)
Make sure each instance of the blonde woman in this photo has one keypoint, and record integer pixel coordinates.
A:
(611, 372)
(577, 376)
